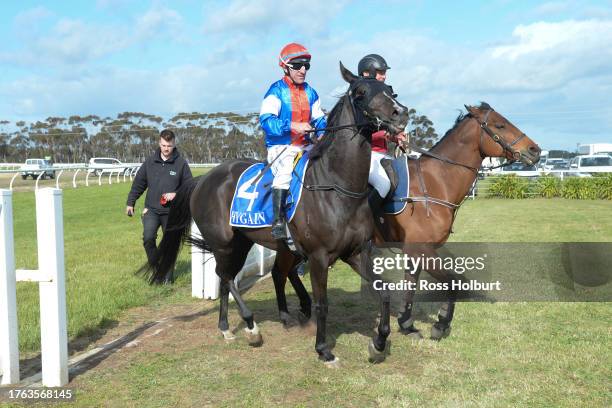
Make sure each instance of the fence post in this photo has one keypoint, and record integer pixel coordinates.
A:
(197, 266)
(9, 340)
(262, 260)
(204, 279)
(53, 328)
(211, 280)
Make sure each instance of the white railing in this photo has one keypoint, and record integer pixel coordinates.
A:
(50, 276)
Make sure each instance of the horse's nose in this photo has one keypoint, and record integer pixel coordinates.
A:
(535, 151)
(403, 115)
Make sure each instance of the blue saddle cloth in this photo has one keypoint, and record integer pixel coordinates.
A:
(252, 202)
(398, 202)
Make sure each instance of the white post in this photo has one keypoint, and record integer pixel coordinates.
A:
(262, 260)
(197, 266)
(53, 329)
(9, 341)
(204, 279)
(211, 280)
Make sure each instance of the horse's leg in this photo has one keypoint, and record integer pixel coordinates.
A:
(442, 327)
(252, 330)
(318, 277)
(281, 299)
(283, 265)
(379, 346)
(405, 319)
(300, 290)
(223, 309)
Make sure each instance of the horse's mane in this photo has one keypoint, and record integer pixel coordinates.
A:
(460, 118)
(326, 140)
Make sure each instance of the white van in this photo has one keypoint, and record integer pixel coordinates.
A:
(593, 163)
(99, 165)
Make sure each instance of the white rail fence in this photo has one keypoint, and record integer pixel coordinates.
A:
(52, 287)
(107, 175)
(50, 276)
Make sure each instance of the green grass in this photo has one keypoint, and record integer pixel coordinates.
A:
(502, 354)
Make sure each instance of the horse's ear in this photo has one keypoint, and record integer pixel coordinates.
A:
(347, 75)
(470, 109)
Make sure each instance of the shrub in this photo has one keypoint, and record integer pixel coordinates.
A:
(509, 186)
(603, 186)
(548, 187)
(579, 188)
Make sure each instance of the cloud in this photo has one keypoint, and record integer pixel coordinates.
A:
(158, 21)
(31, 17)
(265, 15)
(77, 42)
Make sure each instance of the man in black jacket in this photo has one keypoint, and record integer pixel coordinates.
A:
(162, 174)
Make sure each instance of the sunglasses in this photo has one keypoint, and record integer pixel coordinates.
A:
(296, 66)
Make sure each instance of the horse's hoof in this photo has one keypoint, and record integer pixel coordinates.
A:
(335, 363)
(303, 319)
(412, 332)
(377, 356)
(228, 335)
(286, 319)
(438, 333)
(254, 336)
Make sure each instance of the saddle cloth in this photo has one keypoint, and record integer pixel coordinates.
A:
(397, 202)
(252, 202)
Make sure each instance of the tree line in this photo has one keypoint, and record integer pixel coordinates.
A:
(132, 136)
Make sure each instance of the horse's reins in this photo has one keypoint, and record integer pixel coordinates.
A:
(507, 147)
(335, 187)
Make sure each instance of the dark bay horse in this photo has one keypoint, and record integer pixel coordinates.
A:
(439, 181)
(333, 220)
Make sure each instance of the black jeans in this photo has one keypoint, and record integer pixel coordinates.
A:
(151, 221)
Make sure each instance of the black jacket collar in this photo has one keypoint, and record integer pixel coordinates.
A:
(175, 154)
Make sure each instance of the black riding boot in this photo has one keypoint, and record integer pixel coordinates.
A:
(278, 227)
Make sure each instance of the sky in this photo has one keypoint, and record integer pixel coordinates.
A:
(546, 66)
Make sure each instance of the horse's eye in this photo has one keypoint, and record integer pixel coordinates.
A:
(500, 126)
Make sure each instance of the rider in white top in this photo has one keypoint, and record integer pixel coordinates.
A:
(375, 66)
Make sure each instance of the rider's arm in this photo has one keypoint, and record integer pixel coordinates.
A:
(319, 120)
(269, 118)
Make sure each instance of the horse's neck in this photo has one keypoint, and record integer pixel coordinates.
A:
(462, 146)
(346, 161)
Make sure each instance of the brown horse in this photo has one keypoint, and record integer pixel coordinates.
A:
(439, 181)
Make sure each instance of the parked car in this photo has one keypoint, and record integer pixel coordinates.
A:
(520, 169)
(34, 167)
(100, 165)
(552, 162)
(586, 165)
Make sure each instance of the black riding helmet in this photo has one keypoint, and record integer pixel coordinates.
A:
(372, 63)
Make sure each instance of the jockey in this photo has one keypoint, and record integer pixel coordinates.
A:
(375, 66)
(291, 109)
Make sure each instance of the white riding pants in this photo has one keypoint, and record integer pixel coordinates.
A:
(378, 176)
(283, 165)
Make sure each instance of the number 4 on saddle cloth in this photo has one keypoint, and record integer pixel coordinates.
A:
(252, 202)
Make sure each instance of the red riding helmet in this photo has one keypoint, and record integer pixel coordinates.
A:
(292, 51)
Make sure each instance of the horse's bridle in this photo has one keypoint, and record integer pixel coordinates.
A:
(357, 127)
(507, 150)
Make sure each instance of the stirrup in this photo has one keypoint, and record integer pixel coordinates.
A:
(279, 230)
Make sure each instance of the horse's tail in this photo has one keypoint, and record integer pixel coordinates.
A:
(177, 231)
